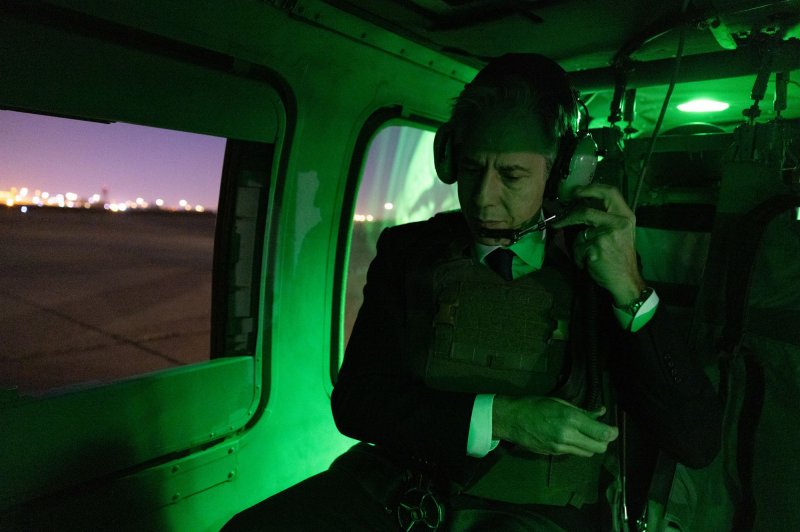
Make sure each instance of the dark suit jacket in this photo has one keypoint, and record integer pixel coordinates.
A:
(378, 399)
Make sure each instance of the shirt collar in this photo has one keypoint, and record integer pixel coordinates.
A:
(529, 248)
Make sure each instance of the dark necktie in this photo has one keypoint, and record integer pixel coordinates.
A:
(500, 261)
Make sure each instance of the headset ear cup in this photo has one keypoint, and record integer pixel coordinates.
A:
(443, 154)
(560, 168)
(580, 166)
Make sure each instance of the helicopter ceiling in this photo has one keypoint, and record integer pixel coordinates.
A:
(723, 45)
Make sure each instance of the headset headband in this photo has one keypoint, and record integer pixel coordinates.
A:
(547, 79)
(557, 99)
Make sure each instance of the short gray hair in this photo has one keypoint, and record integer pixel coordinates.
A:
(530, 83)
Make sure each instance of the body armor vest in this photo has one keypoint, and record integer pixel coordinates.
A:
(496, 336)
(482, 334)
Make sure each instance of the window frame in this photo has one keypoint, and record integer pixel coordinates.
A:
(373, 125)
(105, 422)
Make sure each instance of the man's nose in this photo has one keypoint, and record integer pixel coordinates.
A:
(486, 191)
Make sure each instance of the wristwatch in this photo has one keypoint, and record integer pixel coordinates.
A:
(633, 307)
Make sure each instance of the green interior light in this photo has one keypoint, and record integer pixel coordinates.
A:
(703, 105)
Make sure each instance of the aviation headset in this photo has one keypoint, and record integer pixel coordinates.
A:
(576, 157)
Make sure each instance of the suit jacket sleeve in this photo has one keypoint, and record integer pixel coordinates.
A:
(661, 385)
(377, 398)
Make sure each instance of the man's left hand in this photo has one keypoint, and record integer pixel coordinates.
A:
(606, 247)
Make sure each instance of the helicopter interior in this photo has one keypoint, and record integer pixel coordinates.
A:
(694, 104)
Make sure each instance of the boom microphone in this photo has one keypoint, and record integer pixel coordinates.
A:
(559, 212)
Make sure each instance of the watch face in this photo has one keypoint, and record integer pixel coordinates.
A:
(634, 307)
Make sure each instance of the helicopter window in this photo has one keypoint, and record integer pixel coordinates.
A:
(398, 185)
(107, 233)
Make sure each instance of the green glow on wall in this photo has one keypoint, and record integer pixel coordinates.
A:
(703, 105)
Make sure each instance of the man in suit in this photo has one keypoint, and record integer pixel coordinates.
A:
(495, 357)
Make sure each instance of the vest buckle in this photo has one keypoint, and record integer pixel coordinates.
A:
(419, 508)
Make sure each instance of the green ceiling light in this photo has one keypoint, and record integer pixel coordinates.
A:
(703, 105)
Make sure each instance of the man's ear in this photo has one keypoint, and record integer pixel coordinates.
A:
(443, 158)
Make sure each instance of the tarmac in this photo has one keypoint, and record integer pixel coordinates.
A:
(90, 297)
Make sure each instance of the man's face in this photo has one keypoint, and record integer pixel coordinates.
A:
(501, 172)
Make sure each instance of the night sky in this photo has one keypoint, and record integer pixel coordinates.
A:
(60, 155)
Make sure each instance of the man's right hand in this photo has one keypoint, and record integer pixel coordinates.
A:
(547, 425)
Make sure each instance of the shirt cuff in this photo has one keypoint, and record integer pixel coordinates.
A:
(642, 316)
(479, 438)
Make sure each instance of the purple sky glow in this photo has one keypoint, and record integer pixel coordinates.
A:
(60, 155)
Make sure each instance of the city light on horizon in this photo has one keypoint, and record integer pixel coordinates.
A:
(19, 196)
(60, 160)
